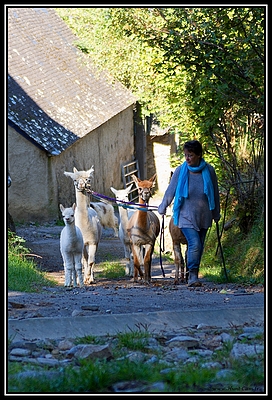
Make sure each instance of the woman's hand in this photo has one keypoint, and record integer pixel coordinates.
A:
(161, 210)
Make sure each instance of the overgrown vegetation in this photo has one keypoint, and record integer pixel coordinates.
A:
(243, 255)
(23, 275)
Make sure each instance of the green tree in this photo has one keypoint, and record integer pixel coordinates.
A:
(222, 51)
(200, 72)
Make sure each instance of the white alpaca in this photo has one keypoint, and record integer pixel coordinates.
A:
(86, 219)
(105, 212)
(71, 247)
(125, 214)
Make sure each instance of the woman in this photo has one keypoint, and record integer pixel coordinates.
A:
(195, 188)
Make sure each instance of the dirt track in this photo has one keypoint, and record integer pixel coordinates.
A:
(117, 296)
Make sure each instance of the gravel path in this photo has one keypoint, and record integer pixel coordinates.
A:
(116, 296)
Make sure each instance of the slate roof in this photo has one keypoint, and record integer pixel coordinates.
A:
(55, 96)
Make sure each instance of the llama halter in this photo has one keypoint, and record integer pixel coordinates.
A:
(83, 185)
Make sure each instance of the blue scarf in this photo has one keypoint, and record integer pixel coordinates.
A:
(182, 187)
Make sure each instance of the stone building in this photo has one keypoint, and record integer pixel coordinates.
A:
(62, 113)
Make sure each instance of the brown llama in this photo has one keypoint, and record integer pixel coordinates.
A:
(143, 229)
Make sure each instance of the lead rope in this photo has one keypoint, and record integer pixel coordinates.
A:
(122, 203)
(162, 245)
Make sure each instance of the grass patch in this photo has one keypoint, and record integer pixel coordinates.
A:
(111, 270)
(88, 339)
(23, 276)
(243, 255)
(134, 340)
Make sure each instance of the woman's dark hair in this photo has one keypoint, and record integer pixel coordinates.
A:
(193, 146)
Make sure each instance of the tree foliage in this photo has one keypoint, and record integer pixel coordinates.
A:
(200, 71)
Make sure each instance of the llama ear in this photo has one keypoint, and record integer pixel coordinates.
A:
(153, 179)
(135, 179)
(75, 170)
(61, 207)
(91, 170)
(71, 174)
(74, 206)
(113, 190)
(128, 189)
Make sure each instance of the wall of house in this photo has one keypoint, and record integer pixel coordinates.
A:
(106, 149)
(39, 183)
(31, 196)
(159, 149)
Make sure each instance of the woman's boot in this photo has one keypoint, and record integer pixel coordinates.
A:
(193, 278)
